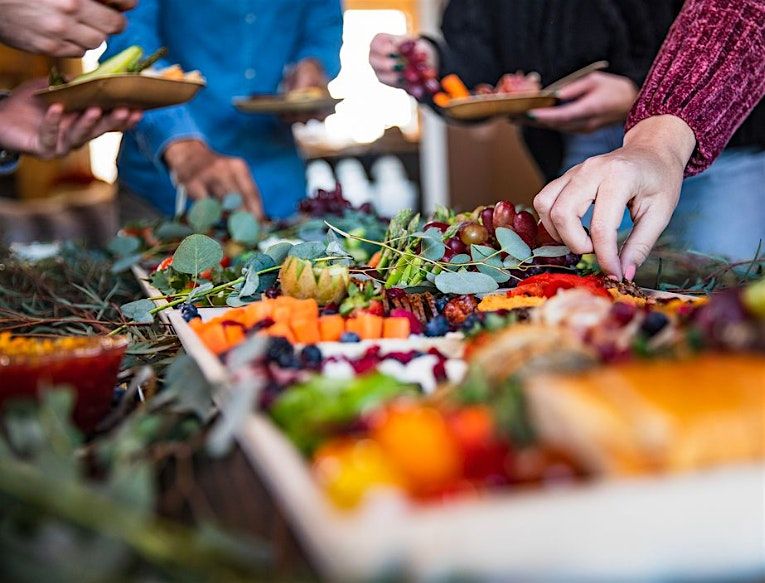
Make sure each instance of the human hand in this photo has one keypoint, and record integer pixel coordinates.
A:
(597, 100)
(307, 74)
(645, 175)
(384, 56)
(60, 28)
(28, 126)
(205, 173)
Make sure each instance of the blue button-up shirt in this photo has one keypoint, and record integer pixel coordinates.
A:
(242, 48)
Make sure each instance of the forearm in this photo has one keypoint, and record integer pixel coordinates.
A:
(710, 73)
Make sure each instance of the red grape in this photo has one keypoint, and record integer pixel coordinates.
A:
(487, 218)
(526, 226)
(544, 238)
(504, 214)
(411, 75)
(474, 234)
(456, 245)
(437, 225)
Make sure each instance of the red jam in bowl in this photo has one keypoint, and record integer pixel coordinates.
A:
(89, 365)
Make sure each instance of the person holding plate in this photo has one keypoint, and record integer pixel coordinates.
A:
(206, 146)
(484, 39)
(57, 28)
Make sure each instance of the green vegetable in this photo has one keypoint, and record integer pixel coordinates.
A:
(120, 63)
(309, 412)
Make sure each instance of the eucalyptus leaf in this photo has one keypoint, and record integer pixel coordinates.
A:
(172, 231)
(460, 258)
(234, 413)
(254, 276)
(200, 291)
(244, 227)
(125, 263)
(278, 252)
(204, 214)
(161, 281)
(308, 251)
(551, 251)
(234, 300)
(232, 201)
(491, 264)
(512, 244)
(122, 245)
(334, 247)
(433, 247)
(197, 253)
(139, 311)
(465, 282)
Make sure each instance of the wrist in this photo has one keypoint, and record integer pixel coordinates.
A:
(177, 152)
(668, 136)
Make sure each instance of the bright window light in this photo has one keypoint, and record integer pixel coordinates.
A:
(369, 107)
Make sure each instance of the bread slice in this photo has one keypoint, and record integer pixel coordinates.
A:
(661, 416)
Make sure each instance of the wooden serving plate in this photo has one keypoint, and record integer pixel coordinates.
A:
(276, 104)
(140, 92)
(486, 106)
(704, 525)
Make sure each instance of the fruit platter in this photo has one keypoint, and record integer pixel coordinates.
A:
(424, 391)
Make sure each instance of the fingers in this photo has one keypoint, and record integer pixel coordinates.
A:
(609, 209)
(387, 69)
(49, 130)
(544, 201)
(79, 131)
(247, 188)
(567, 115)
(569, 208)
(577, 88)
(85, 36)
(100, 17)
(647, 230)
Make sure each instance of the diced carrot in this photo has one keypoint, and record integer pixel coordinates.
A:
(396, 328)
(306, 331)
(236, 315)
(281, 329)
(454, 86)
(354, 325)
(234, 335)
(214, 337)
(196, 324)
(331, 327)
(284, 301)
(441, 99)
(306, 309)
(370, 327)
(374, 261)
(282, 313)
(256, 312)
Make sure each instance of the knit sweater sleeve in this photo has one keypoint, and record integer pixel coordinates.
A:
(710, 73)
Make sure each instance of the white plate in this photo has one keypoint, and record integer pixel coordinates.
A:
(704, 525)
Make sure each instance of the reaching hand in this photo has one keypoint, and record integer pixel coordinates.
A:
(205, 173)
(29, 127)
(645, 175)
(384, 55)
(307, 74)
(60, 28)
(597, 100)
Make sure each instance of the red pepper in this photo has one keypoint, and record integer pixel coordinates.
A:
(166, 262)
(546, 285)
(225, 262)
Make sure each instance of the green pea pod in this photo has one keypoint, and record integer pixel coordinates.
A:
(119, 63)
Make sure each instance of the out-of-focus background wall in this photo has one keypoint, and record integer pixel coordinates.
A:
(377, 143)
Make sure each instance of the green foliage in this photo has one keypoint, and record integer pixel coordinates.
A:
(512, 244)
(465, 282)
(140, 311)
(204, 214)
(197, 253)
(244, 228)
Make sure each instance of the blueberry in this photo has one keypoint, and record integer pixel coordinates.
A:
(654, 323)
(311, 356)
(189, 312)
(471, 322)
(279, 347)
(438, 326)
(441, 303)
(288, 360)
(350, 337)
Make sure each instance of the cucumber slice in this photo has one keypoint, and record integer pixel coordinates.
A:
(119, 63)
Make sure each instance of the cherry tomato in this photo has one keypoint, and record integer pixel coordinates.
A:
(348, 469)
(474, 234)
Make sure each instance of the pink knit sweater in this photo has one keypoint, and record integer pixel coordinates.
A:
(710, 73)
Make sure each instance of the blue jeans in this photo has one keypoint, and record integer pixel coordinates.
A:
(721, 212)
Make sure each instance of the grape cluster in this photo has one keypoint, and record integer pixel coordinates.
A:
(325, 203)
(420, 78)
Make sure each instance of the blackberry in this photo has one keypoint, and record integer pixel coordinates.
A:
(350, 337)
(438, 326)
(654, 323)
(311, 357)
(189, 312)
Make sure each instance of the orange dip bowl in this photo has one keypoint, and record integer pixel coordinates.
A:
(89, 365)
